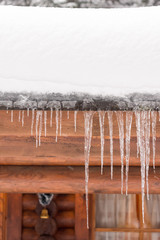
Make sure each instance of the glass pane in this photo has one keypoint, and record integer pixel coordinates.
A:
(152, 211)
(151, 236)
(116, 236)
(116, 210)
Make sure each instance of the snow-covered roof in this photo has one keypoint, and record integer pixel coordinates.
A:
(85, 53)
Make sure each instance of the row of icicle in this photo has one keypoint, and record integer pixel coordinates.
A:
(143, 121)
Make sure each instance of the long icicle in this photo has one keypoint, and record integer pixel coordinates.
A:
(142, 157)
(154, 120)
(22, 118)
(57, 123)
(51, 117)
(37, 123)
(32, 123)
(101, 123)
(38, 127)
(110, 120)
(137, 116)
(68, 114)
(60, 123)
(11, 115)
(120, 121)
(147, 146)
(45, 123)
(19, 116)
(129, 116)
(88, 123)
(27, 112)
(75, 120)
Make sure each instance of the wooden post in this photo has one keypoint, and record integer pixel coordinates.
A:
(14, 216)
(81, 231)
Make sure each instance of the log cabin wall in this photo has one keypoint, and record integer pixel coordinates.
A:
(18, 147)
(67, 215)
(64, 216)
(2, 215)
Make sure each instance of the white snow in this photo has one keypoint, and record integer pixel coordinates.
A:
(96, 51)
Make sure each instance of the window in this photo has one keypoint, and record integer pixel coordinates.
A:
(119, 217)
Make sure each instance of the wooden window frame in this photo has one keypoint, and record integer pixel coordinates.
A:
(141, 230)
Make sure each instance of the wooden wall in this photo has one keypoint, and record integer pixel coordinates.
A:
(2, 215)
(67, 211)
(64, 216)
(18, 147)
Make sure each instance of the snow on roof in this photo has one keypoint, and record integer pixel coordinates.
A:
(106, 52)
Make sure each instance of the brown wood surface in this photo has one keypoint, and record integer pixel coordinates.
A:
(14, 216)
(2, 216)
(64, 219)
(63, 202)
(81, 231)
(63, 234)
(17, 146)
(71, 180)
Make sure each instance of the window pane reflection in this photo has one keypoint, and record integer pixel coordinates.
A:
(152, 211)
(116, 210)
(151, 236)
(116, 236)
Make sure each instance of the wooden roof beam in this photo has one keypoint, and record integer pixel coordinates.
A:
(32, 179)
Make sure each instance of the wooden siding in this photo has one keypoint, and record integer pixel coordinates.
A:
(18, 147)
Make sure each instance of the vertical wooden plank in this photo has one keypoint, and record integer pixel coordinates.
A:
(2, 216)
(81, 231)
(14, 216)
(92, 216)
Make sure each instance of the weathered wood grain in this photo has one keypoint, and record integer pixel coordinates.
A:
(81, 218)
(71, 180)
(14, 216)
(63, 202)
(17, 146)
(64, 219)
(66, 234)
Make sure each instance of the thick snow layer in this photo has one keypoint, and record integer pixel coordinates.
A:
(96, 51)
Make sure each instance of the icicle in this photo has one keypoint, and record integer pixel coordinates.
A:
(101, 123)
(57, 121)
(45, 123)
(154, 119)
(67, 114)
(7, 110)
(75, 120)
(128, 138)
(38, 124)
(137, 116)
(88, 122)
(22, 118)
(40, 127)
(121, 139)
(19, 117)
(147, 146)
(60, 123)
(110, 120)
(11, 115)
(142, 157)
(27, 112)
(51, 117)
(32, 123)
